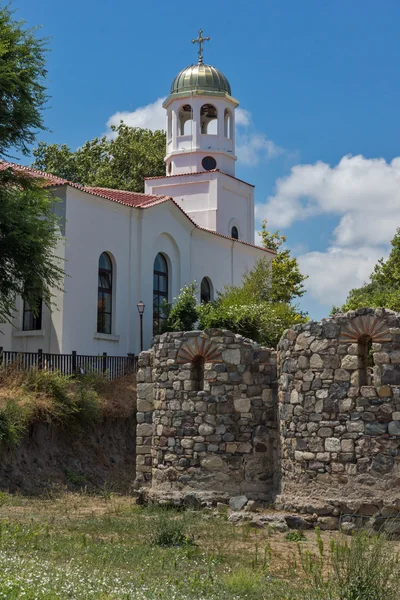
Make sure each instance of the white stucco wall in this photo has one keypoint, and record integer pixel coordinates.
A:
(213, 200)
(133, 237)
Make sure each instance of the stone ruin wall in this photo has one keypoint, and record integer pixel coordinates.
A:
(327, 440)
(339, 412)
(207, 415)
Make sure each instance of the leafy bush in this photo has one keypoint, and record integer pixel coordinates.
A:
(183, 314)
(169, 530)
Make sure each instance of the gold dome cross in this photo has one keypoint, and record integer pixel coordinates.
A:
(200, 41)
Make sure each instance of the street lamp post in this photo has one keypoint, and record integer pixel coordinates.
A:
(140, 307)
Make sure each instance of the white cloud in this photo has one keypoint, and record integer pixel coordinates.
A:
(253, 148)
(242, 117)
(333, 273)
(365, 194)
(151, 116)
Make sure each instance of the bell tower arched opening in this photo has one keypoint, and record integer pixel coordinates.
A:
(185, 120)
(209, 119)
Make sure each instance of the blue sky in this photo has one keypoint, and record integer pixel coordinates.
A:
(318, 80)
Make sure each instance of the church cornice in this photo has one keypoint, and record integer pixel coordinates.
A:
(200, 173)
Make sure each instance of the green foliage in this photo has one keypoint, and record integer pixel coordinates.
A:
(260, 307)
(182, 315)
(28, 238)
(365, 569)
(22, 93)
(49, 396)
(28, 233)
(169, 530)
(286, 281)
(14, 419)
(295, 536)
(262, 322)
(384, 287)
(121, 162)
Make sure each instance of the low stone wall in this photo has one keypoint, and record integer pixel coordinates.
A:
(207, 415)
(339, 412)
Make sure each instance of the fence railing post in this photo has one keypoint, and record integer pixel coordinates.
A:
(74, 365)
(104, 362)
(40, 359)
(1, 356)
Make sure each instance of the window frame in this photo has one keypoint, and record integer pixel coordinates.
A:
(28, 317)
(159, 295)
(206, 281)
(102, 294)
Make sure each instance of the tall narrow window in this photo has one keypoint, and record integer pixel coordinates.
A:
(366, 360)
(205, 291)
(160, 291)
(104, 297)
(235, 233)
(32, 319)
(198, 373)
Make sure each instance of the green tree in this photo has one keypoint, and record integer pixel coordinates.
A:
(22, 90)
(28, 233)
(383, 290)
(286, 280)
(121, 162)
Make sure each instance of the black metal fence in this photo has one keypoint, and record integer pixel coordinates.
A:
(111, 367)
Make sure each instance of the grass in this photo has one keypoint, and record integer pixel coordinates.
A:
(26, 396)
(106, 548)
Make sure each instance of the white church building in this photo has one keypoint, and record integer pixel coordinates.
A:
(196, 223)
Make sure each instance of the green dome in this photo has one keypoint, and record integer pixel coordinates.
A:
(200, 79)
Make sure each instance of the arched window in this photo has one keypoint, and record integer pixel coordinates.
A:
(104, 295)
(160, 291)
(208, 119)
(228, 124)
(185, 119)
(205, 291)
(235, 233)
(366, 360)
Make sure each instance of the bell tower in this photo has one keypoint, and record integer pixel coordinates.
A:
(200, 157)
(200, 120)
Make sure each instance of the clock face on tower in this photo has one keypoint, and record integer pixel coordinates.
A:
(209, 163)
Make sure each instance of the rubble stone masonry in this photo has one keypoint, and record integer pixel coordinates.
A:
(212, 417)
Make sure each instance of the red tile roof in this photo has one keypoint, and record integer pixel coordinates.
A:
(133, 199)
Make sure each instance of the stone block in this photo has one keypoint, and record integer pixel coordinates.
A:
(342, 375)
(355, 426)
(373, 428)
(231, 356)
(316, 362)
(242, 405)
(206, 429)
(144, 405)
(347, 445)
(394, 428)
(332, 445)
(350, 362)
(302, 456)
(144, 430)
(325, 432)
